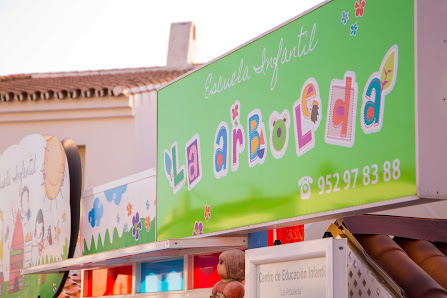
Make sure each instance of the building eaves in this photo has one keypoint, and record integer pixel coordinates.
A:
(115, 82)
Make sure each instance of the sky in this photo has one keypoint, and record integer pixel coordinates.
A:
(72, 35)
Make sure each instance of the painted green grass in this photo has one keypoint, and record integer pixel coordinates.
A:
(35, 285)
(127, 239)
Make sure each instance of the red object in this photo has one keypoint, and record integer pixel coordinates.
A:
(107, 282)
(286, 235)
(205, 271)
(359, 8)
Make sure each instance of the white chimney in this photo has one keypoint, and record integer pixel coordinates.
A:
(182, 49)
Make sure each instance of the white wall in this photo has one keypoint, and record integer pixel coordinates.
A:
(145, 142)
(119, 133)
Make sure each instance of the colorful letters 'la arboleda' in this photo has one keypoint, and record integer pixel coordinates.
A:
(340, 125)
(315, 116)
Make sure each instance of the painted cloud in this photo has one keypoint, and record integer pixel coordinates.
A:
(95, 215)
(115, 194)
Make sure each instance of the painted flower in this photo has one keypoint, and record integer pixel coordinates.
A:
(207, 213)
(344, 17)
(126, 227)
(129, 209)
(198, 229)
(147, 223)
(235, 112)
(118, 218)
(359, 8)
(147, 205)
(354, 29)
(136, 226)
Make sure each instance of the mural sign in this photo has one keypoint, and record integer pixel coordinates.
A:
(317, 115)
(35, 214)
(119, 214)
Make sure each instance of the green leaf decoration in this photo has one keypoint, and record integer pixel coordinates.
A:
(388, 70)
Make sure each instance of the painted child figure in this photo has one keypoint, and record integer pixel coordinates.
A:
(231, 269)
(39, 239)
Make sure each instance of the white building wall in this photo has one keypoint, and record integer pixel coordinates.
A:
(119, 133)
(145, 141)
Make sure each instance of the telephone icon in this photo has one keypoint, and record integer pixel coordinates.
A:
(305, 183)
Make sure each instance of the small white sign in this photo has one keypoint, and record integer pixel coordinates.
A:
(302, 278)
(316, 268)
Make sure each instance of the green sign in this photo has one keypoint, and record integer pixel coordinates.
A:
(317, 115)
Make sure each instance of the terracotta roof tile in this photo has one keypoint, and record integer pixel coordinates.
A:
(427, 256)
(412, 251)
(400, 267)
(99, 83)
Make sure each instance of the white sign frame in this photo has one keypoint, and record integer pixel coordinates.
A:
(334, 250)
